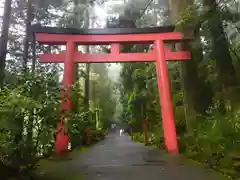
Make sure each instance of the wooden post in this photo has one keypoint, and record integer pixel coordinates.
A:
(131, 132)
(145, 131)
(88, 133)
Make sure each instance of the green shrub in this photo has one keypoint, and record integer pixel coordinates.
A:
(138, 137)
(215, 142)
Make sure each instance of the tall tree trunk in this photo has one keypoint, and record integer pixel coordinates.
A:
(4, 39)
(34, 59)
(220, 51)
(33, 45)
(195, 100)
(27, 34)
(87, 83)
(76, 24)
(227, 79)
(87, 80)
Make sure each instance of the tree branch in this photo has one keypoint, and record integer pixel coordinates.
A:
(144, 10)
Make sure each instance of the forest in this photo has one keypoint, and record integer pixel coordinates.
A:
(204, 90)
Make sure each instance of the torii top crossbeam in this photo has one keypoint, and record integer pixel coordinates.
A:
(106, 36)
(114, 37)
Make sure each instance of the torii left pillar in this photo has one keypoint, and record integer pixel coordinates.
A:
(62, 139)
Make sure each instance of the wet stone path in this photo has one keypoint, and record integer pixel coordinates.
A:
(118, 158)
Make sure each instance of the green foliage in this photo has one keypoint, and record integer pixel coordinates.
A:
(189, 17)
(78, 124)
(216, 142)
(27, 115)
(138, 137)
(103, 100)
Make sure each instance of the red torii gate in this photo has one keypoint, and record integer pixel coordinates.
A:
(114, 37)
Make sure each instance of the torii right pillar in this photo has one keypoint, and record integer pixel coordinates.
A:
(169, 127)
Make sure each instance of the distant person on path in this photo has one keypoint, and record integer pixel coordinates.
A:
(121, 132)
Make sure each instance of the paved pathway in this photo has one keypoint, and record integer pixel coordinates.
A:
(118, 158)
